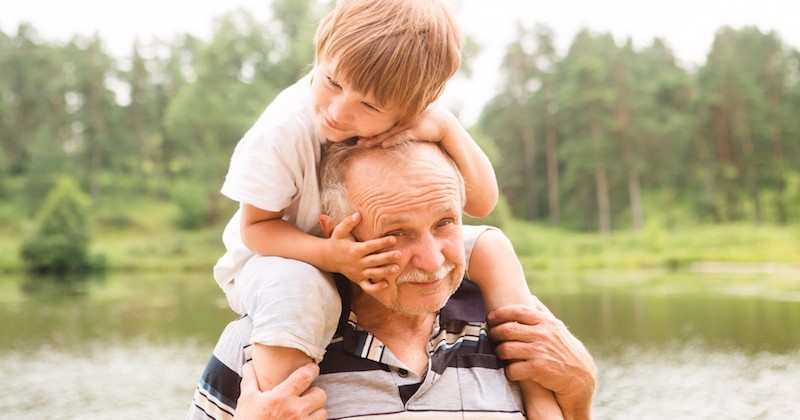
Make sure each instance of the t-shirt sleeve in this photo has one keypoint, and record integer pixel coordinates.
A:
(470, 234)
(261, 174)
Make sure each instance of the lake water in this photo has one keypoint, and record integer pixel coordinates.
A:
(668, 346)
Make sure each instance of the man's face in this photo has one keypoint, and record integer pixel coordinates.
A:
(418, 203)
(341, 112)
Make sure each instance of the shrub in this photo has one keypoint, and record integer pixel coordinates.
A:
(193, 205)
(60, 241)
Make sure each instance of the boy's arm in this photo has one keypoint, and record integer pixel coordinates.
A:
(266, 233)
(540, 403)
(472, 162)
(495, 268)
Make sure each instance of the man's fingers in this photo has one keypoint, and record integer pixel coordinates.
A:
(514, 331)
(249, 380)
(515, 313)
(516, 350)
(299, 381)
(315, 398)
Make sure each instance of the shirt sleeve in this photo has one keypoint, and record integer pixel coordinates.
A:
(471, 234)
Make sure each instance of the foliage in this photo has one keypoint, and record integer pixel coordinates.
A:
(585, 139)
(193, 206)
(602, 137)
(60, 241)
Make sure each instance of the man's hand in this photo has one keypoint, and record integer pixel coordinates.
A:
(539, 347)
(361, 262)
(291, 399)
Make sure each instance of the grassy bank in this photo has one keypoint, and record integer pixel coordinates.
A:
(145, 239)
(544, 248)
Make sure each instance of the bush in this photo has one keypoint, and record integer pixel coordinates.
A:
(194, 208)
(60, 241)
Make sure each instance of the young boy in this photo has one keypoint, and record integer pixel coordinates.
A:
(379, 67)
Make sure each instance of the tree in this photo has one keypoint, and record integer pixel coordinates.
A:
(586, 96)
(60, 242)
(741, 102)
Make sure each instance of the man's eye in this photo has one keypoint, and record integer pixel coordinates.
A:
(395, 233)
(445, 222)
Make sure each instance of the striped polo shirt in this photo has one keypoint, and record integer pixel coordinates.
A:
(364, 380)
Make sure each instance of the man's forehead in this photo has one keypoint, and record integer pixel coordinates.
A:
(407, 216)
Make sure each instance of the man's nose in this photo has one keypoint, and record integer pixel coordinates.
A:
(428, 253)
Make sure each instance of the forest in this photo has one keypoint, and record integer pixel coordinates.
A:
(602, 137)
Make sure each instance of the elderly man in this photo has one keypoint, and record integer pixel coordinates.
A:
(419, 347)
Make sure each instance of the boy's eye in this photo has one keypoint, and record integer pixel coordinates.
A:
(333, 82)
(370, 106)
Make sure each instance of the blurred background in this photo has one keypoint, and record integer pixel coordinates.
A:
(648, 155)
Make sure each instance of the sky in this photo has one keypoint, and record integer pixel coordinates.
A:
(688, 26)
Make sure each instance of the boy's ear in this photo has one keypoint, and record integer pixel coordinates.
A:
(327, 224)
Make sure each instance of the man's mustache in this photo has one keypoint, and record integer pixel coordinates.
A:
(422, 276)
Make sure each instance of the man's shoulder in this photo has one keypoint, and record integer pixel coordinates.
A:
(466, 304)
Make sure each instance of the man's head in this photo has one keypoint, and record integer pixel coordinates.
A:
(397, 53)
(413, 192)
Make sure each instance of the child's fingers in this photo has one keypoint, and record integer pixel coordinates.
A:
(371, 287)
(382, 271)
(373, 246)
(346, 226)
(369, 141)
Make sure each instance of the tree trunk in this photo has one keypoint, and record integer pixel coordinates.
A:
(529, 171)
(601, 185)
(551, 146)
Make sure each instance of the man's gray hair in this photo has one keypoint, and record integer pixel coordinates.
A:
(336, 158)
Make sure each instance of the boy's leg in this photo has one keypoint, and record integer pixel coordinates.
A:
(295, 310)
(274, 364)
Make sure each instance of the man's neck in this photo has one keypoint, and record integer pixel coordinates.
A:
(404, 334)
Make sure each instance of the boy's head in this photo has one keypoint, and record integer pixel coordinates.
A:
(400, 52)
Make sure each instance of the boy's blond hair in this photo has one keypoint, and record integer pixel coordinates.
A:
(401, 52)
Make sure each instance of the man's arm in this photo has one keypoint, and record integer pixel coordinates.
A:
(539, 347)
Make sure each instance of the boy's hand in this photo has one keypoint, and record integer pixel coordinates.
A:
(432, 125)
(361, 262)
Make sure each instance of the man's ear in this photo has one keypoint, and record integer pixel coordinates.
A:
(327, 224)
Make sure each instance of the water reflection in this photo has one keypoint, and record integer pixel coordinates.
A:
(620, 318)
(134, 347)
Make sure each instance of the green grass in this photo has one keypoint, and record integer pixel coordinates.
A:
(542, 248)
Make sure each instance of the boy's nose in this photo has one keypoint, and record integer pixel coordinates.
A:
(338, 109)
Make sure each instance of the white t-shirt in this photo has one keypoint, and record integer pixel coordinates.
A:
(274, 167)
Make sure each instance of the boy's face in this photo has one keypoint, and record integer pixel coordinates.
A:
(341, 112)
